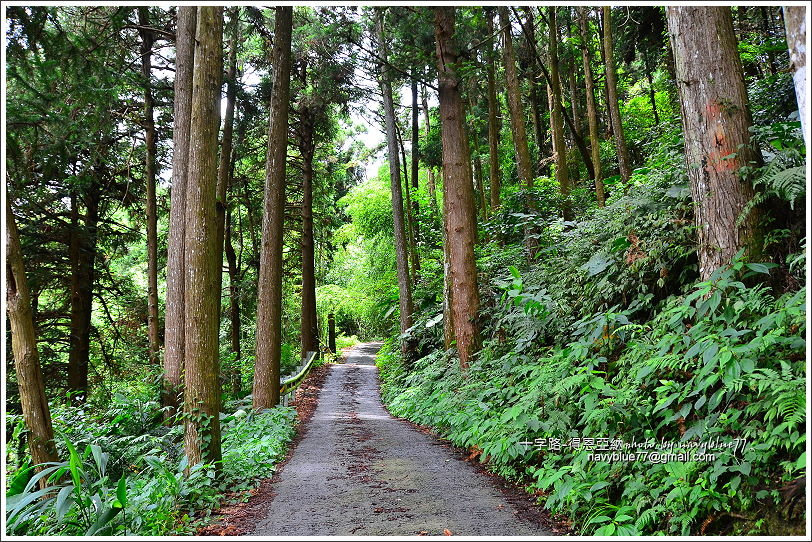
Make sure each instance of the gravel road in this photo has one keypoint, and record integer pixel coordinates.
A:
(359, 471)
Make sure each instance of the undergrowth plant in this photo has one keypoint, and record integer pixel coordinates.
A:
(722, 364)
(149, 492)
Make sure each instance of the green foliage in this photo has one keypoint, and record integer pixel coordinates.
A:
(147, 492)
(772, 97)
(784, 175)
(632, 253)
(254, 443)
(360, 288)
(721, 362)
(82, 498)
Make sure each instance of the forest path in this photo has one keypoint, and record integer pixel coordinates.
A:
(359, 471)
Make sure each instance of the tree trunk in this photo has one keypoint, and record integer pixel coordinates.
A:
(765, 28)
(309, 321)
(414, 265)
(459, 193)
(269, 294)
(515, 104)
(227, 140)
(234, 308)
(673, 93)
(591, 108)
(556, 122)
(203, 271)
(716, 123)
(479, 190)
(612, 98)
(82, 252)
(415, 171)
(224, 179)
(153, 322)
(533, 97)
(795, 24)
(448, 291)
(476, 160)
(575, 170)
(431, 184)
(493, 121)
(34, 404)
(652, 93)
(331, 333)
(175, 268)
(579, 141)
(401, 245)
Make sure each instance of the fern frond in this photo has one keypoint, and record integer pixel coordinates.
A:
(649, 517)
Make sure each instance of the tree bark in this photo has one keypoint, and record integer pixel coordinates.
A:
(533, 97)
(175, 268)
(234, 308)
(227, 139)
(579, 141)
(479, 181)
(795, 24)
(652, 93)
(612, 98)
(476, 158)
(153, 322)
(401, 244)
(591, 108)
(556, 122)
(765, 28)
(415, 170)
(269, 295)
(431, 184)
(574, 169)
(203, 271)
(493, 121)
(407, 205)
(716, 123)
(309, 321)
(331, 333)
(33, 401)
(459, 193)
(224, 178)
(514, 103)
(82, 253)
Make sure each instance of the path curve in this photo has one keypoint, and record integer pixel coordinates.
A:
(359, 471)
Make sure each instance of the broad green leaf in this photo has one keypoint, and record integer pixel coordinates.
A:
(599, 485)
(606, 530)
(100, 458)
(760, 267)
(709, 354)
(75, 465)
(121, 490)
(42, 474)
(596, 264)
(104, 518)
(64, 501)
(20, 481)
(17, 503)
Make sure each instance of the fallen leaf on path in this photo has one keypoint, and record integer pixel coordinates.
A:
(447, 532)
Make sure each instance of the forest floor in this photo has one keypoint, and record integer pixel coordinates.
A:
(355, 470)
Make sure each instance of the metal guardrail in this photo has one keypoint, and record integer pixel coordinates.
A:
(289, 384)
